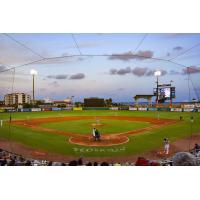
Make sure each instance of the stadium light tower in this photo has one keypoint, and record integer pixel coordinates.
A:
(33, 73)
(157, 74)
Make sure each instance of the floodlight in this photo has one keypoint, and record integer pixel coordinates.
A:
(157, 73)
(33, 72)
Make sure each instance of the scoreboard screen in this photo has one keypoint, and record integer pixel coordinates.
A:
(165, 93)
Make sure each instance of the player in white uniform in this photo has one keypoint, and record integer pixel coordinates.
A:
(166, 146)
(94, 133)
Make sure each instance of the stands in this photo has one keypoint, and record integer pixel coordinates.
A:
(179, 159)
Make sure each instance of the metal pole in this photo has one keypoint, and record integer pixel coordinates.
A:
(157, 92)
(33, 89)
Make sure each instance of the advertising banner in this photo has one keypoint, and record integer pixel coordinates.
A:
(47, 109)
(124, 108)
(56, 109)
(142, 109)
(26, 110)
(176, 110)
(163, 109)
(35, 109)
(77, 108)
(68, 108)
(188, 109)
(132, 108)
(152, 109)
(188, 106)
(113, 108)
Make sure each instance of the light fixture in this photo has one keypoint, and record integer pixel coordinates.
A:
(157, 73)
(33, 72)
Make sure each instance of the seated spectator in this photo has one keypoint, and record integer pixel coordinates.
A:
(50, 163)
(80, 161)
(73, 163)
(28, 163)
(184, 159)
(104, 164)
(11, 163)
(89, 164)
(95, 164)
(154, 163)
(116, 164)
(141, 161)
(3, 162)
(196, 149)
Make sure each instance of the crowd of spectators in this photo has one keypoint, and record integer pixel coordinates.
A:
(191, 158)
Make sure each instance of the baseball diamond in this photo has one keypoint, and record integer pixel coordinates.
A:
(69, 133)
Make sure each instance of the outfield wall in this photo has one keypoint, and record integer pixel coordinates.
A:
(101, 108)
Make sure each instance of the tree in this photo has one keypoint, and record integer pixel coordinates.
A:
(108, 102)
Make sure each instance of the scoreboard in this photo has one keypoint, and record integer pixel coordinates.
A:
(165, 92)
(94, 102)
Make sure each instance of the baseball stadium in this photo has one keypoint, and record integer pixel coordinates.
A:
(90, 99)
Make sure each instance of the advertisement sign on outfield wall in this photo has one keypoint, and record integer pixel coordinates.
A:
(188, 109)
(26, 110)
(176, 110)
(56, 109)
(131, 108)
(142, 109)
(46, 109)
(163, 109)
(152, 109)
(78, 108)
(114, 108)
(188, 106)
(35, 109)
(68, 108)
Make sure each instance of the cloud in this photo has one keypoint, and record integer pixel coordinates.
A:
(137, 71)
(61, 76)
(191, 70)
(54, 83)
(178, 48)
(124, 71)
(77, 76)
(65, 76)
(140, 55)
(113, 71)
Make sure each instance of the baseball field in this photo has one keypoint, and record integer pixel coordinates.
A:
(69, 133)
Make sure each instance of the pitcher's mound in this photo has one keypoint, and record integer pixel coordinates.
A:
(97, 124)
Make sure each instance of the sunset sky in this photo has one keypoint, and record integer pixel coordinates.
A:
(99, 65)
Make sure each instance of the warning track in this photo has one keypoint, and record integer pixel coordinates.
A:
(86, 139)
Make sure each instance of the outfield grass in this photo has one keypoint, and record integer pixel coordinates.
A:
(138, 143)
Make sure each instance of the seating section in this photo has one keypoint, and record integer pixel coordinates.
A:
(179, 159)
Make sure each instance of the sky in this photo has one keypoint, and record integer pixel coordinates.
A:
(117, 66)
